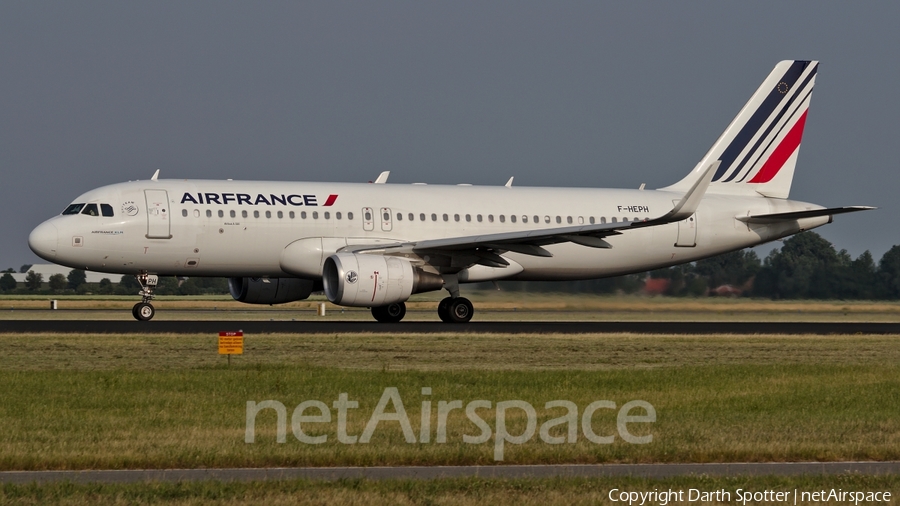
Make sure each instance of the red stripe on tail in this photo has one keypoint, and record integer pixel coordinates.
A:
(788, 145)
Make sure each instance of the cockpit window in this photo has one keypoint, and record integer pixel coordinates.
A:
(73, 209)
(91, 210)
(106, 209)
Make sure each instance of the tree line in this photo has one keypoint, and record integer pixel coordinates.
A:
(805, 267)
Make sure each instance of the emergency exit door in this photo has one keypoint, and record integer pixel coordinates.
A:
(158, 223)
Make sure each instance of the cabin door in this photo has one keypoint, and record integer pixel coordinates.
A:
(159, 225)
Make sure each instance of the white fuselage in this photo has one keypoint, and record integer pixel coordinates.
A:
(243, 228)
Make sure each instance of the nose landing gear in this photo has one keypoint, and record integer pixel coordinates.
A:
(143, 310)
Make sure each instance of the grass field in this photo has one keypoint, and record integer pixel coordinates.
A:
(162, 401)
(489, 305)
(81, 402)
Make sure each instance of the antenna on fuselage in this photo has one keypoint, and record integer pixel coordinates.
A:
(155, 175)
(509, 183)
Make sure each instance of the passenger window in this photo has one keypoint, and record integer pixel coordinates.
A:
(421, 216)
(196, 213)
(412, 217)
(433, 217)
(106, 209)
(327, 215)
(315, 215)
(624, 220)
(491, 218)
(479, 218)
(209, 213)
(336, 215)
(73, 209)
(256, 214)
(232, 214)
(603, 219)
(303, 214)
(536, 219)
(613, 220)
(291, 215)
(559, 219)
(581, 220)
(502, 219)
(268, 214)
(349, 216)
(368, 216)
(569, 220)
(446, 218)
(386, 216)
(546, 219)
(243, 214)
(281, 215)
(221, 213)
(399, 217)
(524, 219)
(184, 212)
(90, 210)
(512, 218)
(468, 217)
(455, 217)
(591, 219)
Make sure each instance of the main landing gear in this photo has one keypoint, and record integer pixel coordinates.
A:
(392, 313)
(143, 310)
(455, 310)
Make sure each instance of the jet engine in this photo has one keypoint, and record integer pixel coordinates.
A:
(361, 280)
(269, 291)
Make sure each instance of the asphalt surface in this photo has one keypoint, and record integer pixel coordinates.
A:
(413, 327)
(432, 472)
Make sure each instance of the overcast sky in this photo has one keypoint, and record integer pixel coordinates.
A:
(586, 94)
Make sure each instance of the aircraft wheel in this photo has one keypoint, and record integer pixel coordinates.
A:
(392, 313)
(461, 310)
(143, 311)
(444, 310)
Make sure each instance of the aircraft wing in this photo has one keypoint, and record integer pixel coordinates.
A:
(796, 215)
(530, 242)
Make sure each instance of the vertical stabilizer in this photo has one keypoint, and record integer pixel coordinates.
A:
(759, 148)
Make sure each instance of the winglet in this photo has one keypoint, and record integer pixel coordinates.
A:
(691, 200)
(509, 183)
(382, 178)
(155, 175)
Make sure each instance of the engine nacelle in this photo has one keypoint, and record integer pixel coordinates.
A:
(352, 279)
(269, 291)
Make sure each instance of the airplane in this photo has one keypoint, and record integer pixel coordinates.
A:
(375, 244)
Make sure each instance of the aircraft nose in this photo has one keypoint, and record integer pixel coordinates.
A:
(44, 241)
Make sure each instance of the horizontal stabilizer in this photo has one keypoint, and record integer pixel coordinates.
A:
(797, 215)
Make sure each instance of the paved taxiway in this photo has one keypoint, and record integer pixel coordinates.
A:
(418, 327)
(431, 472)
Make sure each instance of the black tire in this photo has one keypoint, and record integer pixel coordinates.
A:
(461, 310)
(143, 311)
(444, 310)
(392, 313)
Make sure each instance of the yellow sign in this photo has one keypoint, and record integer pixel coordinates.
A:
(231, 343)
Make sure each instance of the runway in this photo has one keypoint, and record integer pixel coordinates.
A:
(433, 472)
(414, 327)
